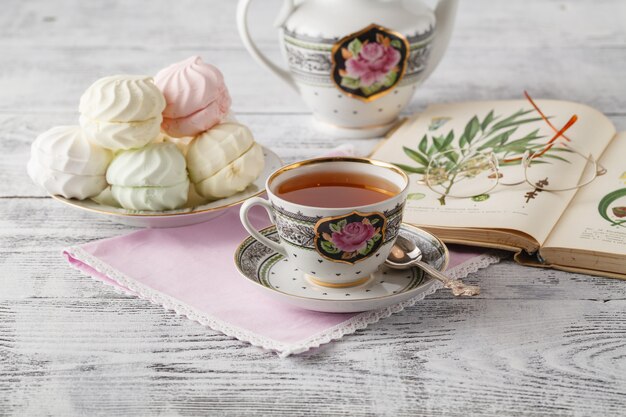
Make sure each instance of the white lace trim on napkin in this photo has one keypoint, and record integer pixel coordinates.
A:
(359, 321)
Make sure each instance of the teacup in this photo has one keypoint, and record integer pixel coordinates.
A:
(334, 246)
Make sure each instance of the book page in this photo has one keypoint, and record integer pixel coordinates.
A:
(484, 131)
(596, 217)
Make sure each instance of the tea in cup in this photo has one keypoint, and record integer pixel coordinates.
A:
(337, 218)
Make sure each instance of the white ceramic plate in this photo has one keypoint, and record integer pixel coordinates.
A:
(278, 278)
(180, 217)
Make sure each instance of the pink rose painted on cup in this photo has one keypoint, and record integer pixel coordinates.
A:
(370, 62)
(354, 237)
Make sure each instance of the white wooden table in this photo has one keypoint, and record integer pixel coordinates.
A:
(536, 342)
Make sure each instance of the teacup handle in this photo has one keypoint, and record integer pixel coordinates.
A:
(242, 26)
(243, 215)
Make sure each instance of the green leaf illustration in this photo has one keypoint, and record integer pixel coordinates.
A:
(497, 140)
(479, 198)
(328, 247)
(518, 146)
(443, 144)
(334, 227)
(514, 121)
(369, 90)
(607, 200)
(411, 170)
(488, 119)
(448, 141)
(553, 149)
(438, 143)
(390, 79)
(533, 135)
(376, 237)
(462, 141)
(352, 83)
(471, 129)
(396, 44)
(416, 196)
(368, 247)
(504, 122)
(551, 156)
(342, 223)
(453, 157)
(416, 156)
(355, 46)
(373, 222)
(423, 146)
(521, 122)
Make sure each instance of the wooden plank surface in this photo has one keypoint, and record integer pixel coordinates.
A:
(536, 342)
(56, 79)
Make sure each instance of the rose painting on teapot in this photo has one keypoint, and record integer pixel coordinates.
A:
(370, 63)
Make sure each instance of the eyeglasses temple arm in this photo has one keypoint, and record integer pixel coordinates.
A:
(543, 116)
(550, 143)
(567, 125)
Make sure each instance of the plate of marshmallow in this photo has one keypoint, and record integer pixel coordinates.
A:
(162, 151)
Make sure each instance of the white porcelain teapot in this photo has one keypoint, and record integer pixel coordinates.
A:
(356, 63)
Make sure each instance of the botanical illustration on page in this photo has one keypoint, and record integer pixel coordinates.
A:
(461, 155)
(612, 207)
(465, 162)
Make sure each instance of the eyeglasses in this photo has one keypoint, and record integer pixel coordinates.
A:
(553, 166)
(464, 173)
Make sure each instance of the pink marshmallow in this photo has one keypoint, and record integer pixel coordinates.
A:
(200, 121)
(196, 96)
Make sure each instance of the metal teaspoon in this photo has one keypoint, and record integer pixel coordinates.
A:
(405, 254)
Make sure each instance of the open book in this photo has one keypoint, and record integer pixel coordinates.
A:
(582, 229)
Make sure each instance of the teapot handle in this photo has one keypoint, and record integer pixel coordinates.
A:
(445, 13)
(242, 26)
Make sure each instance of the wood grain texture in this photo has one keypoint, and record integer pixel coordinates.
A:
(140, 360)
(536, 342)
(192, 24)
(576, 74)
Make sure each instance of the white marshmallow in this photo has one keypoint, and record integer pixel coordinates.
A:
(65, 184)
(122, 98)
(214, 149)
(234, 177)
(122, 135)
(66, 149)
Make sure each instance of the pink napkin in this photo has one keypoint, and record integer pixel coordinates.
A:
(190, 270)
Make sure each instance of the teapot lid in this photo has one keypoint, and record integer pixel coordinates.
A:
(331, 19)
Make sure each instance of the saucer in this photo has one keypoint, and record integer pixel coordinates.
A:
(183, 216)
(277, 276)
